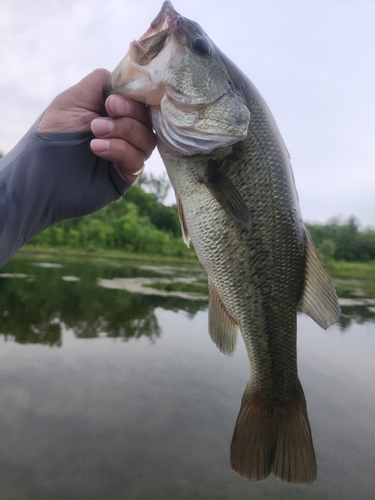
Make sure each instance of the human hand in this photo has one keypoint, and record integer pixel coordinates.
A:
(125, 137)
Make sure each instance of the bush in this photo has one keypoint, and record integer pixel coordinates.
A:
(137, 223)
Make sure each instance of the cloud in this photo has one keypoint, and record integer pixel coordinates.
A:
(312, 61)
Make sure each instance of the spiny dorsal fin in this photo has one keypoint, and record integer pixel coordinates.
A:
(221, 325)
(319, 299)
(184, 231)
(227, 194)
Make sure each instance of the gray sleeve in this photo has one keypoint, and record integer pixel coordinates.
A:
(48, 178)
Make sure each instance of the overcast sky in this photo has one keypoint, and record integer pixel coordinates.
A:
(312, 60)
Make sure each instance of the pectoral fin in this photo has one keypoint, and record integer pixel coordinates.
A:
(221, 325)
(319, 299)
(227, 195)
(184, 230)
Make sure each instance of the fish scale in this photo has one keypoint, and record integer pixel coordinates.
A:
(238, 204)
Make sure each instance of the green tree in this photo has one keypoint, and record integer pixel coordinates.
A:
(137, 223)
(158, 186)
(366, 244)
(327, 249)
(163, 217)
(344, 241)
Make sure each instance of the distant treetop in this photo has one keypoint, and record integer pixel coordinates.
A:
(344, 241)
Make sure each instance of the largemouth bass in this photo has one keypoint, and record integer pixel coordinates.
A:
(237, 202)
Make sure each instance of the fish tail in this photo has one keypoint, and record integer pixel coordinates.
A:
(273, 438)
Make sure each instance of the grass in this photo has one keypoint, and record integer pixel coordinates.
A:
(352, 270)
(105, 254)
(353, 277)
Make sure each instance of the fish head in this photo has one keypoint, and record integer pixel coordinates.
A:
(178, 71)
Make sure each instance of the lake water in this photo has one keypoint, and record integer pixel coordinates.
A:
(111, 389)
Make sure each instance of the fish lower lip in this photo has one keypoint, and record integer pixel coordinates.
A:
(152, 45)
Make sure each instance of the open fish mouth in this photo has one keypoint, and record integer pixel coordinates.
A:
(149, 45)
(139, 67)
(162, 21)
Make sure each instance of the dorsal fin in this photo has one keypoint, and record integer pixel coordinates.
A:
(222, 327)
(319, 299)
(184, 230)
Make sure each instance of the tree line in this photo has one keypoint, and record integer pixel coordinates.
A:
(140, 223)
(344, 241)
(137, 223)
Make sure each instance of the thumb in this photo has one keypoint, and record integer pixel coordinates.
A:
(74, 109)
(88, 92)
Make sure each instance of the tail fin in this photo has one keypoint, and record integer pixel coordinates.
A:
(273, 439)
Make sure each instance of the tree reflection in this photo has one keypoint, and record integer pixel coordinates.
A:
(33, 310)
(359, 315)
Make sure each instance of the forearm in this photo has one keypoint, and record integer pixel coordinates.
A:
(48, 178)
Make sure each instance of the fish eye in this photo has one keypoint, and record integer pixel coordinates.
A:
(201, 46)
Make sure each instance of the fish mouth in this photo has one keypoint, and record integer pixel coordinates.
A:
(146, 48)
(143, 51)
(166, 17)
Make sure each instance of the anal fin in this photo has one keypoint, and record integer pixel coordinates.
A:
(319, 299)
(222, 327)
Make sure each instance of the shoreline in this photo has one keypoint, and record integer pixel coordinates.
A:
(347, 276)
(100, 254)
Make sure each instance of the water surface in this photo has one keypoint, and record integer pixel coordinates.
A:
(115, 394)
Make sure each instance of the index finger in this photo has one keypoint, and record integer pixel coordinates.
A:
(118, 106)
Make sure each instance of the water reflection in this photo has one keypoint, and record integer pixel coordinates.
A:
(38, 299)
(153, 417)
(355, 315)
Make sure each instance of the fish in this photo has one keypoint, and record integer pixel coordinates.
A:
(238, 205)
